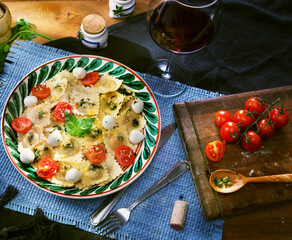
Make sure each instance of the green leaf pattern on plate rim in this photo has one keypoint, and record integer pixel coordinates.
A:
(41, 74)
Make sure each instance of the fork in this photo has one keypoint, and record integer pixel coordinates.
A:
(120, 217)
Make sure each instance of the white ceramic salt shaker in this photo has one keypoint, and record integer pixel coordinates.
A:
(121, 8)
(94, 33)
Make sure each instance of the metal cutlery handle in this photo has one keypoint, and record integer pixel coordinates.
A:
(177, 170)
(104, 209)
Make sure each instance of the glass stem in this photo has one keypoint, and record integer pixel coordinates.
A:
(169, 62)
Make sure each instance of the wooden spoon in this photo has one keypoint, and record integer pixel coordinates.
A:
(238, 180)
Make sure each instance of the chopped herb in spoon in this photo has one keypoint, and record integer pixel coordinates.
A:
(223, 182)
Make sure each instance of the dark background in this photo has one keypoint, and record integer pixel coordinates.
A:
(252, 50)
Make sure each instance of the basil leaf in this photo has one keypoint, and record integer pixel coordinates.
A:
(76, 127)
(6, 48)
(27, 36)
(22, 22)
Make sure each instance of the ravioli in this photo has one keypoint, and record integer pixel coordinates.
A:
(39, 114)
(57, 88)
(131, 120)
(92, 174)
(107, 84)
(32, 139)
(114, 169)
(115, 138)
(107, 97)
(95, 135)
(111, 103)
(70, 148)
(85, 101)
(63, 167)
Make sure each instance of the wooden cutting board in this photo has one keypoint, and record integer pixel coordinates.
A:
(196, 123)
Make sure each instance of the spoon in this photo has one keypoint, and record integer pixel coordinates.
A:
(238, 180)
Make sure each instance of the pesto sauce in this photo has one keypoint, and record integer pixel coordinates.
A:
(68, 145)
(29, 139)
(87, 101)
(36, 154)
(120, 138)
(111, 104)
(41, 114)
(135, 123)
(93, 167)
(58, 127)
(95, 132)
(124, 91)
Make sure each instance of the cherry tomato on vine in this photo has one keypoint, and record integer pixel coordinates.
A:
(251, 141)
(255, 105)
(244, 118)
(95, 154)
(215, 150)
(47, 167)
(61, 108)
(125, 155)
(90, 79)
(21, 124)
(265, 128)
(41, 91)
(230, 132)
(280, 116)
(222, 117)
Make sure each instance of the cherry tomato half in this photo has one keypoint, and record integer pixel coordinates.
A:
(280, 116)
(255, 105)
(222, 117)
(47, 167)
(265, 128)
(41, 91)
(90, 79)
(61, 108)
(125, 155)
(244, 118)
(230, 132)
(95, 154)
(251, 141)
(21, 124)
(215, 150)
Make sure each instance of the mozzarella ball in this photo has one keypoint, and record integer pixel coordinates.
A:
(73, 175)
(108, 122)
(137, 106)
(135, 136)
(30, 101)
(79, 72)
(26, 156)
(55, 138)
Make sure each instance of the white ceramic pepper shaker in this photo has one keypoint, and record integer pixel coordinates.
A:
(93, 31)
(121, 8)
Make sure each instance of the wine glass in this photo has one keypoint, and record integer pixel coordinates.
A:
(180, 27)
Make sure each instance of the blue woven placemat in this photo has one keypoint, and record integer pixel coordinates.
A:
(150, 219)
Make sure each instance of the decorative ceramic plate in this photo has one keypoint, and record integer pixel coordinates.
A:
(14, 107)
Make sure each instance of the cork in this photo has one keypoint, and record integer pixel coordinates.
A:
(179, 213)
(93, 23)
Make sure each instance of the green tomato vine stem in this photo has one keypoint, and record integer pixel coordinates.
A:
(258, 118)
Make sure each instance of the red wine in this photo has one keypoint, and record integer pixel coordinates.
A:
(180, 29)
